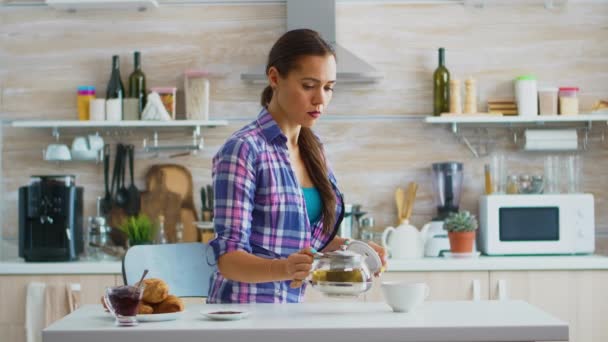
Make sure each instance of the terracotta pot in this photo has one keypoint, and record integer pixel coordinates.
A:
(461, 242)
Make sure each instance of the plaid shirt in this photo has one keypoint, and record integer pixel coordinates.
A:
(260, 208)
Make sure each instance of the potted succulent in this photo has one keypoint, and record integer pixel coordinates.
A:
(461, 228)
(139, 229)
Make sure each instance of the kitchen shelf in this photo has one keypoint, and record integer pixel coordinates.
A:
(495, 119)
(116, 124)
(74, 5)
(120, 126)
(511, 122)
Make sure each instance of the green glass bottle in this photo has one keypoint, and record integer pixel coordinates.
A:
(137, 83)
(441, 86)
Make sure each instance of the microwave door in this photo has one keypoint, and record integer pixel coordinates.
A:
(529, 224)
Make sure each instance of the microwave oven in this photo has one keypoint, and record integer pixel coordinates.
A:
(536, 224)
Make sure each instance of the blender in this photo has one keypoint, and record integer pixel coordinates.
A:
(447, 186)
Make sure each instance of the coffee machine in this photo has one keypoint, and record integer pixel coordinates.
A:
(50, 219)
(447, 187)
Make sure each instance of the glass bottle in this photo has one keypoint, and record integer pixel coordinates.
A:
(115, 93)
(441, 86)
(137, 83)
(513, 185)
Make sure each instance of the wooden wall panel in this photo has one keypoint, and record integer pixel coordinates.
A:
(45, 54)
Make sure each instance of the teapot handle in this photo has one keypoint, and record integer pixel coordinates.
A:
(385, 233)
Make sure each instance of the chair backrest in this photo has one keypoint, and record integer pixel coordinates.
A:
(185, 267)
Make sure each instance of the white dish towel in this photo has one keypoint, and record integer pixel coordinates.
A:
(35, 319)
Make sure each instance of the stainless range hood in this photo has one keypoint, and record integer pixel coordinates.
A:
(320, 15)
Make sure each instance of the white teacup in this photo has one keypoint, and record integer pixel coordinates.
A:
(404, 296)
(95, 142)
(57, 152)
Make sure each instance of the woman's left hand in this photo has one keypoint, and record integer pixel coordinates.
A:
(381, 253)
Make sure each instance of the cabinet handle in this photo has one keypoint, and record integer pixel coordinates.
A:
(502, 290)
(476, 290)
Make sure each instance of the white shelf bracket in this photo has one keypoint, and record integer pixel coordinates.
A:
(464, 139)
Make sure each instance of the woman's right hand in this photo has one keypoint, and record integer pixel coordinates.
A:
(299, 265)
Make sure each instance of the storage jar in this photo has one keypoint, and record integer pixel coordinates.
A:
(196, 89)
(568, 100)
(85, 95)
(526, 95)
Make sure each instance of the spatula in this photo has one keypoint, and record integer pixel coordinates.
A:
(106, 202)
(122, 195)
(134, 198)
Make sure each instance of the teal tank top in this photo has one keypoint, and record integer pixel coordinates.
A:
(313, 204)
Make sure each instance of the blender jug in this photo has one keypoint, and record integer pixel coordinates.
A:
(447, 185)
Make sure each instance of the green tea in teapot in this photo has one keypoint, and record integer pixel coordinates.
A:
(342, 276)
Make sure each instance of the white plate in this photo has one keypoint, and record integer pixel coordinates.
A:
(171, 316)
(218, 316)
(461, 255)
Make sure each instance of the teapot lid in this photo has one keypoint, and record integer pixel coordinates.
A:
(371, 257)
(343, 255)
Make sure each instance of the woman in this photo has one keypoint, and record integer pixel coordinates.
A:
(275, 196)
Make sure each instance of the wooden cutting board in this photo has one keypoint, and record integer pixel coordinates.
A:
(176, 179)
(162, 201)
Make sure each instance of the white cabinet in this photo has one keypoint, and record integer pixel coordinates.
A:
(13, 290)
(443, 285)
(578, 297)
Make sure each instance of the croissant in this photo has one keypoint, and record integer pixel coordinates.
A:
(155, 291)
(170, 304)
(145, 309)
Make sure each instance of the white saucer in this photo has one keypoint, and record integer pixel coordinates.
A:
(170, 316)
(451, 255)
(224, 315)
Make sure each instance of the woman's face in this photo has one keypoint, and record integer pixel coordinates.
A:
(305, 92)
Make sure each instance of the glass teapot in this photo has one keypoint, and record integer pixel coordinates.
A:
(346, 272)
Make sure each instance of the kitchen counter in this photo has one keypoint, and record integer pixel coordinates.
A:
(340, 322)
(484, 263)
(501, 263)
(18, 266)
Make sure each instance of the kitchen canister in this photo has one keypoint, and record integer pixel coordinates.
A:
(526, 95)
(568, 100)
(547, 101)
(114, 109)
(196, 89)
(83, 99)
(97, 110)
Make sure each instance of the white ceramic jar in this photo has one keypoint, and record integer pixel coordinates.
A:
(526, 95)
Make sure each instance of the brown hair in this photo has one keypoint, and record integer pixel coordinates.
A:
(284, 56)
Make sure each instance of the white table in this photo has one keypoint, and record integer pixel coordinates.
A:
(334, 321)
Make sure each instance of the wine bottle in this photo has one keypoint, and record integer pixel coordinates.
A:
(137, 83)
(115, 92)
(441, 86)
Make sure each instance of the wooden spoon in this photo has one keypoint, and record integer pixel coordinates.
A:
(399, 200)
(411, 197)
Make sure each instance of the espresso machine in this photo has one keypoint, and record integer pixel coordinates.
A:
(447, 187)
(50, 219)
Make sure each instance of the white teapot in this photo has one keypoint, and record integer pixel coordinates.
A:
(405, 241)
